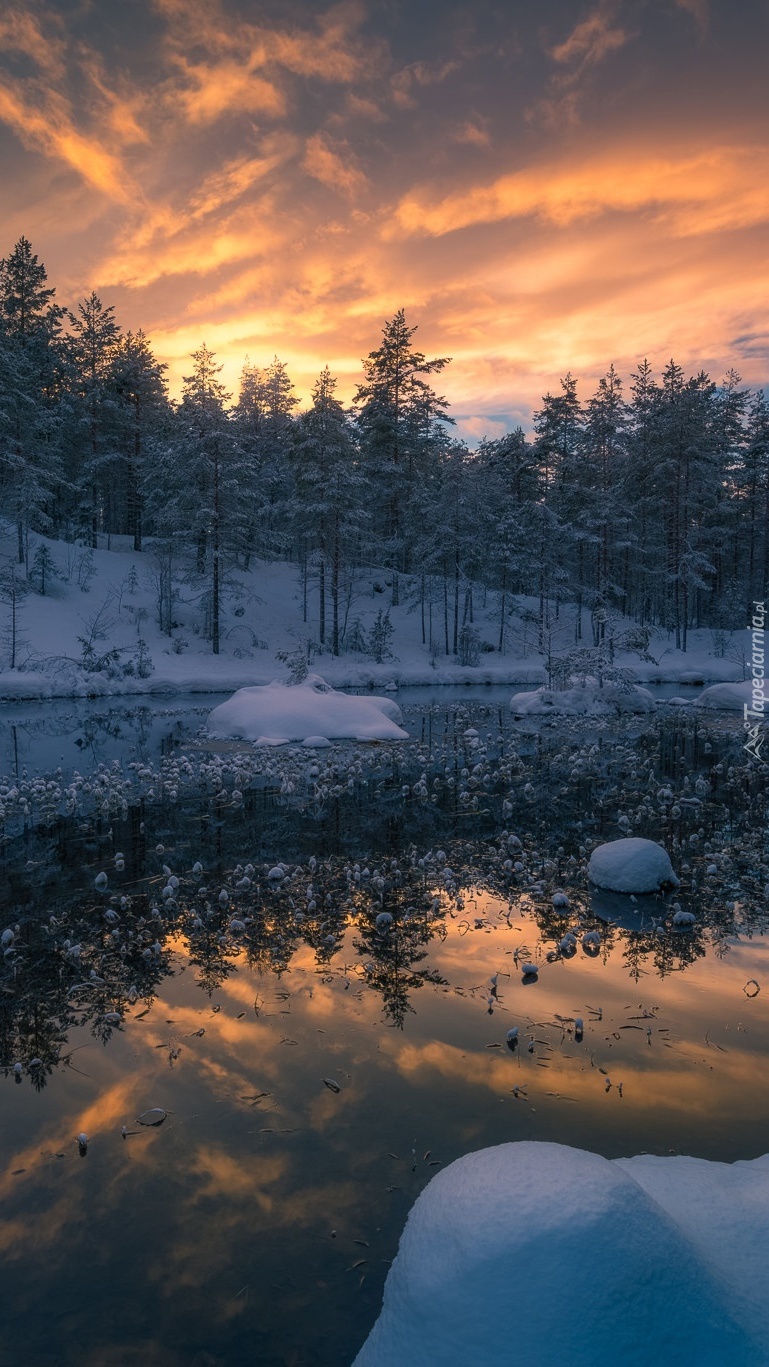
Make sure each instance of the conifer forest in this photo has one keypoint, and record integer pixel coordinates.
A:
(648, 497)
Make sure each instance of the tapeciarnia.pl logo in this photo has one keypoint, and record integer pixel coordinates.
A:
(755, 711)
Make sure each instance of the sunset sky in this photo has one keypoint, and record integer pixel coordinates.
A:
(542, 186)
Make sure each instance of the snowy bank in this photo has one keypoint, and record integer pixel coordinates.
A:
(587, 700)
(310, 711)
(631, 865)
(728, 697)
(540, 1255)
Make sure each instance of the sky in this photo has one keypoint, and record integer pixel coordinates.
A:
(542, 187)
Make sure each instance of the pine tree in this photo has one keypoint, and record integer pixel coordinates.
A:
(558, 428)
(752, 496)
(205, 480)
(263, 416)
(13, 591)
(328, 513)
(143, 412)
(507, 471)
(30, 362)
(400, 418)
(92, 345)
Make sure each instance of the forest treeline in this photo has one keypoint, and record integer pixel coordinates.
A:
(651, 502)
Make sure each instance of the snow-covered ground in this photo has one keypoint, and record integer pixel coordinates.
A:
(588, 699)
(540, 1255)
(109, 600)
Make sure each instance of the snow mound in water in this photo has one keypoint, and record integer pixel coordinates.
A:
(276, 713)
(730, 697)
(540, 1255)
(589, 700)
(632, 865)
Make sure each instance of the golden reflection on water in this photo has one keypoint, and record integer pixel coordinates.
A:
(257, 1152)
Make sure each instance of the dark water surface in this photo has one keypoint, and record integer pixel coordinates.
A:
(256, 1222)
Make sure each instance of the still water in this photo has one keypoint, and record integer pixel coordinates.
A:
(274, 990)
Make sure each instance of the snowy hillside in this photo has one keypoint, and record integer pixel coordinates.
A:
(81, 622)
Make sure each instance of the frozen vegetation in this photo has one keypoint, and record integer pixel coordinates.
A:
(540, 1255)
(590, 699)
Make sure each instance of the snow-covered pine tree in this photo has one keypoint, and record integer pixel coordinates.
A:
(205, 480)
(263, 416)
(558, 428)
(30, 364)
(143, 414)
(94, 461)
(329, 513)
(507, 471)
(752, 490)
(400, 420)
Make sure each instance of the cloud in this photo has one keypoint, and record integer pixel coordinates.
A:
(211, 90)
(246, 64)
(472, 133)
(48, 128)
(174, 243)
(333, 166)
(20, 32)
(699, 11)
(419, 74)
(696, 191)
(234, 180)
(590, 42)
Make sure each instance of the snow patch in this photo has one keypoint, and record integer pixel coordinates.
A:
(311, 712)
(589, 700)
(631, 865)
(539, 1255)
(730, 697)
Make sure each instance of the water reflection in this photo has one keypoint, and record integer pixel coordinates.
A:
(362, 917)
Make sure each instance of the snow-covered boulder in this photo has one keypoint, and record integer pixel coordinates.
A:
(587, 700)
(631, 865)
(540, 1255)
(276, 713)
(727, 697)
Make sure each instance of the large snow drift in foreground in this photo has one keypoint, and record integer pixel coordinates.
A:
(587, 700)
(311, 711)
(539, 1255)
(632, 865)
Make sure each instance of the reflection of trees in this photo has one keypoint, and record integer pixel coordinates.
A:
(394, 927)
(357, 844)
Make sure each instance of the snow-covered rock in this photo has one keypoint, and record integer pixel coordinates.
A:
(540, 1255)
(729, 697)
(587, 700)
(277, 712)
(631, 865)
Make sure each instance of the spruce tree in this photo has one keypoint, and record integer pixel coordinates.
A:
(399, 419)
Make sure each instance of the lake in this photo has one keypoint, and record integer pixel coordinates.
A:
(274, 990)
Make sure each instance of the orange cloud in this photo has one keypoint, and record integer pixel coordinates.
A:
(327, 164)
(229, 87)
(592, 40)
(21, 32)
(232, 78)
(51, 131)
(693, 192)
